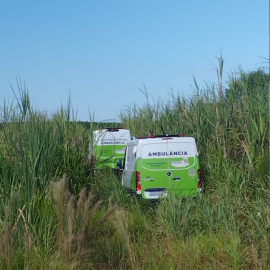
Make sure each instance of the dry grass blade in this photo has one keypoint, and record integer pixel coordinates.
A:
(121, 222)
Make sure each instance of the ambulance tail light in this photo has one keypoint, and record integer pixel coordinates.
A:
(138, 183)
(199, 180)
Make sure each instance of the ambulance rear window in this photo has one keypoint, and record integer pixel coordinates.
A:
(168, 149)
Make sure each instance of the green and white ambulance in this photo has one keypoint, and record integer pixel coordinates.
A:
(109, 147)
(158, 165)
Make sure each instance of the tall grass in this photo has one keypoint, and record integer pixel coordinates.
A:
(211, 121)
(34, 149)
(231, 127)
(56, 213)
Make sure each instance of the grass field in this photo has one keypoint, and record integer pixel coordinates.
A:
(56, 214)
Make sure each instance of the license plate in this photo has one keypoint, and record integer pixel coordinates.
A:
(155, 193)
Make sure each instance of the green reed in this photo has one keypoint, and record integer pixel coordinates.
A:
(86, 220)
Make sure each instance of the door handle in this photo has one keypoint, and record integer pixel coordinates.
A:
(176, 178)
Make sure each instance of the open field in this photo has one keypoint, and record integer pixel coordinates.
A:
(56, 214)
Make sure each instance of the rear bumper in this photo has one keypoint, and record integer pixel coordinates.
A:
(155, 193)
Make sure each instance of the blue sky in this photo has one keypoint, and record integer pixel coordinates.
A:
(102, 52)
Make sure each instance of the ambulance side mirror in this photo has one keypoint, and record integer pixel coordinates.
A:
(119, 164)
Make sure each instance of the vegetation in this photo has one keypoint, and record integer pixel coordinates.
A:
(56, 213)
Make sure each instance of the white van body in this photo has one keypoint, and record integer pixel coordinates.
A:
(155, 166)
(109, 146)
